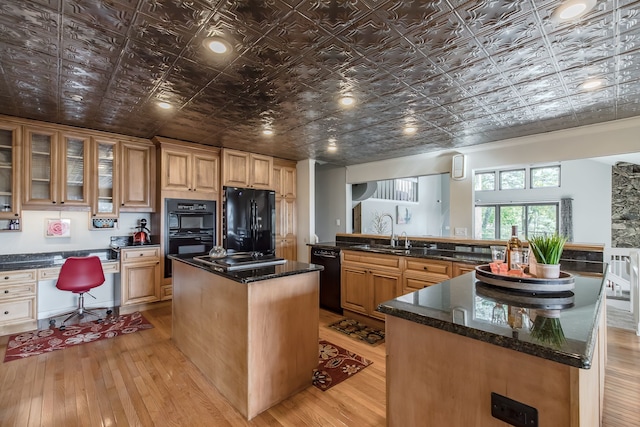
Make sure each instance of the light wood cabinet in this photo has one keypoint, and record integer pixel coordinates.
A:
(137, 177)
(247, 170)
(187, 170)
(56, 168)
(460, 268)
(18, 301)
(140, 275)
(369, 279)
(420, 273)
(10, 171)
(105, 195)
(284, 179)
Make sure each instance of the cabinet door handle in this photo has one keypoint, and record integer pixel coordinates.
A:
(141, 255)
(62, 203)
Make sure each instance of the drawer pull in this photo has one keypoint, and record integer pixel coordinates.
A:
(6, 277)
(141, 254)
(6, 312)
(426, 268)
(6, 291)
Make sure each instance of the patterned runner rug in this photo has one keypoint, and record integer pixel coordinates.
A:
(358, 330)
(42, 341)
(336, 365)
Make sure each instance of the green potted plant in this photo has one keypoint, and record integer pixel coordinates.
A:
(547, 250)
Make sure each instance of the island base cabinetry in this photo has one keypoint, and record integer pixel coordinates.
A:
(438, 378)
(256, 342)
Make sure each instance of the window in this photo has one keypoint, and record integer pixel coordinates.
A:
(495, 221)
(512, 180)
(485, 181)
(404, 189)
(548, 176)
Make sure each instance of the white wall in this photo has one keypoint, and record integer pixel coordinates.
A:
(305, 203)
(32, 237)
(615, 137)
(331, 202)
(427, 214)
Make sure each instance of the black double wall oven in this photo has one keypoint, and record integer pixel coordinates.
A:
(190, 228)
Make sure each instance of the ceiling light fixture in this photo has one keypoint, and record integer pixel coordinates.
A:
(592, 84)
(164, 105)
(76, 98)
(573, 9)
(347, 100)
(410, 130)
(267, 132)
(216, 45)
(332, 145)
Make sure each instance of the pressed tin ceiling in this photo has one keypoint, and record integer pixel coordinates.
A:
(461, 72)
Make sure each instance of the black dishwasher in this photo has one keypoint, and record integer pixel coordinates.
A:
(329, 277)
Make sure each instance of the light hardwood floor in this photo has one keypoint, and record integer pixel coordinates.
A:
(143, 380)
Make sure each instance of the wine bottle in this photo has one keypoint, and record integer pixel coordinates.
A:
(514, 250)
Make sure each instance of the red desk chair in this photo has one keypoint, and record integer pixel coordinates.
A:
(79, 275)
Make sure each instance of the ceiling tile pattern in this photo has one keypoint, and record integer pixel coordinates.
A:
(462, 72)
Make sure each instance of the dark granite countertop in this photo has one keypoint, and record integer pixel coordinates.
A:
(479, 311)
(50, 259)
(289, 268)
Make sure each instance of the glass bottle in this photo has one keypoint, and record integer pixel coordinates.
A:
(514, 249)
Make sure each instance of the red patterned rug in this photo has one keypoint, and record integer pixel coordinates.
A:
(336, 365)
(33, 343)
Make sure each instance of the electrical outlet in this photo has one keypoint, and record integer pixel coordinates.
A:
(338, 222)
(513, 412)
(460, 231)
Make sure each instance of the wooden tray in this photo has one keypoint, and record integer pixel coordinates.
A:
(539, 300)
(565, 282)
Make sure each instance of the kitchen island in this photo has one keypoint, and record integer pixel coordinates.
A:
(452, 347)
(253, 332)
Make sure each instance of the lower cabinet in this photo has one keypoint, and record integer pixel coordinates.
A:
(460, 268)
(18, 309)
(420, 273)
(140, 275)
(368, 280)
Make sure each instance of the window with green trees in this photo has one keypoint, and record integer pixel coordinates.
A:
(495, 221)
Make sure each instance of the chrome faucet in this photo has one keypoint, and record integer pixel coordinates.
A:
(407, 244)
(393, 239)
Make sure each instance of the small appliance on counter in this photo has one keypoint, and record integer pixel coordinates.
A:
(143, 235)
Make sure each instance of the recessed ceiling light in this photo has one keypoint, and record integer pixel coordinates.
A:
(267, 132)
(572, 9)
(216, 45)
(410, 130)
(332, 145)
(164, 105)
(76, 98)
(592, 84)
(347, 100)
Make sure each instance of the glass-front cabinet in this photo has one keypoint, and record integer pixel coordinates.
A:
(105, 201)
(55, 169)
(9, 177)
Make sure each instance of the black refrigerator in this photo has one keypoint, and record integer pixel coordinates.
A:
(249, 220)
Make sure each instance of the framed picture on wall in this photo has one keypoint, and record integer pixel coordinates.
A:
(403, 214)
(57, 227)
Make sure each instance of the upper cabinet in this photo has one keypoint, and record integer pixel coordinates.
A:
(55, 169)
(9, 173)
(284, 180)
(104, 178)
(137, 176)
(248, 170)
(188, 170)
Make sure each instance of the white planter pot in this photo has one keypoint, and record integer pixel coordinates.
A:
(548, 271)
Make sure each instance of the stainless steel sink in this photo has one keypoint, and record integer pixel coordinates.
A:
(387, 249)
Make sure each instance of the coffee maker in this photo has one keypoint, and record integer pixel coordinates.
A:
(143, 235)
